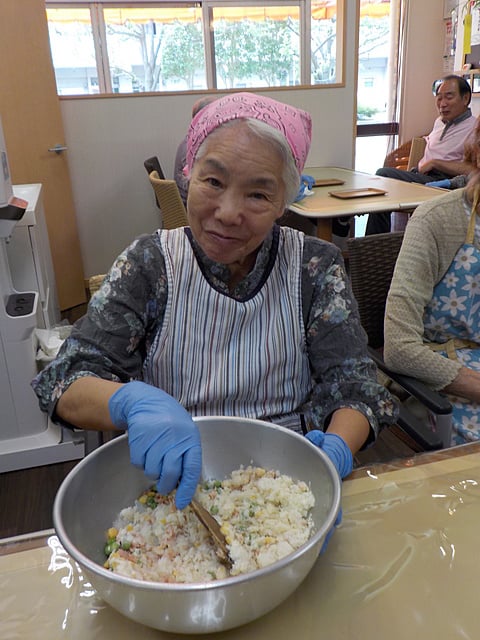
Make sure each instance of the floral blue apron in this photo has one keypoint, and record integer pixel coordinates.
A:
(452, 320)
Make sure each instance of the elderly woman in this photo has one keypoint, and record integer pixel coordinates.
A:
(432, 324)
(233, 315)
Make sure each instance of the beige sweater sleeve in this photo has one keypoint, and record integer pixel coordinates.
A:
(433, 236)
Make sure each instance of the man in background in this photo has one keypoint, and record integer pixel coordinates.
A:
(180, 157)
(444, 152)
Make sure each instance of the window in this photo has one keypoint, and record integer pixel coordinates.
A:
(144, 46)
(375, 44)
(378, 80)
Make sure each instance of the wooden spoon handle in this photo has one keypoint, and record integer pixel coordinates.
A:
(213, 528)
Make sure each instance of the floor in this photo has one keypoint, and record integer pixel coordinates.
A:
(26, 498)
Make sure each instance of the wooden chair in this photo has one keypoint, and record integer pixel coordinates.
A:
(417, 149)
(153, 164)
(171, 204)
(407, 155)
(371, 263)
(398, 158)
(93, 284)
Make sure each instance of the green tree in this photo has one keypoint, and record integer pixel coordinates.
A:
(374, 32)
(247, 52)
(183, 55)
(324, 38)
(235, 49)
(150, 38)
(275, 58)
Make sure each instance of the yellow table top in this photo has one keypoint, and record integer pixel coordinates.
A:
(399, 196)
(403, 564)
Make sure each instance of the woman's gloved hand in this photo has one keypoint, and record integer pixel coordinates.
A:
(163, 439)
(306, 186)
(339, 453)
(336, 449)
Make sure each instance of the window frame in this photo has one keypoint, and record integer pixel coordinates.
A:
(305, 8)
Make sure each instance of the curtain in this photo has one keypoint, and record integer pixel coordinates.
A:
(398, 24)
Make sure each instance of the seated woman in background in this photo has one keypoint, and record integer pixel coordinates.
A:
(432, 321)
(233, 315)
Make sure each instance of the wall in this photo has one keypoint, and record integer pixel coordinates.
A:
(109, 138)
(33, 123)
(459, 56)
(423, 64)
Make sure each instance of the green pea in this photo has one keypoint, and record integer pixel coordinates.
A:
(110, 547)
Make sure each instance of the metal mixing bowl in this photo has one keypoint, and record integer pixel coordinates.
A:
(92, 495)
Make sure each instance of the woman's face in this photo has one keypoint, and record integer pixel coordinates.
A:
(236, 193)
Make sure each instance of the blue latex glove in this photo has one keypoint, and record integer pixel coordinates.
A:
(339, 453)
(306, 185)
(443, 184)
(163, 439)
(336, 449)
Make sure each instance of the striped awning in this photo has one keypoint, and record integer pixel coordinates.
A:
(321, 10)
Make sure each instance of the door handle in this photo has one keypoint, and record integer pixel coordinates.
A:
(58, 148)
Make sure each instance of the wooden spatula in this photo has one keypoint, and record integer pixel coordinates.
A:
(213, 529)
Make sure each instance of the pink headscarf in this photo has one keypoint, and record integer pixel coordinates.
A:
(295, 124)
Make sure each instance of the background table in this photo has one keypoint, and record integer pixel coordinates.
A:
(404, 564)
(399, 196)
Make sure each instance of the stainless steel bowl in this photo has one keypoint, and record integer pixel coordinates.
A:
(105, 482)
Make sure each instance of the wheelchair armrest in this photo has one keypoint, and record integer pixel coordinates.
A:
(418, 430)
(433, 400)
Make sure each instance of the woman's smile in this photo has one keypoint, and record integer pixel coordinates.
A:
(223, 236)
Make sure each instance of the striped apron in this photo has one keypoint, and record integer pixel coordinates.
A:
(221, 356)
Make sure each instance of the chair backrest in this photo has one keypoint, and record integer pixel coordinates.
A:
(398, 158)
(371, 263)
(171, 204)
(94, 283)
(407, 155)
(153, 164)
(417, 150)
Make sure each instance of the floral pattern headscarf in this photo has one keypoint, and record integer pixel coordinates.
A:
(295, 124)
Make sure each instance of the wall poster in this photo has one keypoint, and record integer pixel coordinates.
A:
(475, 37)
